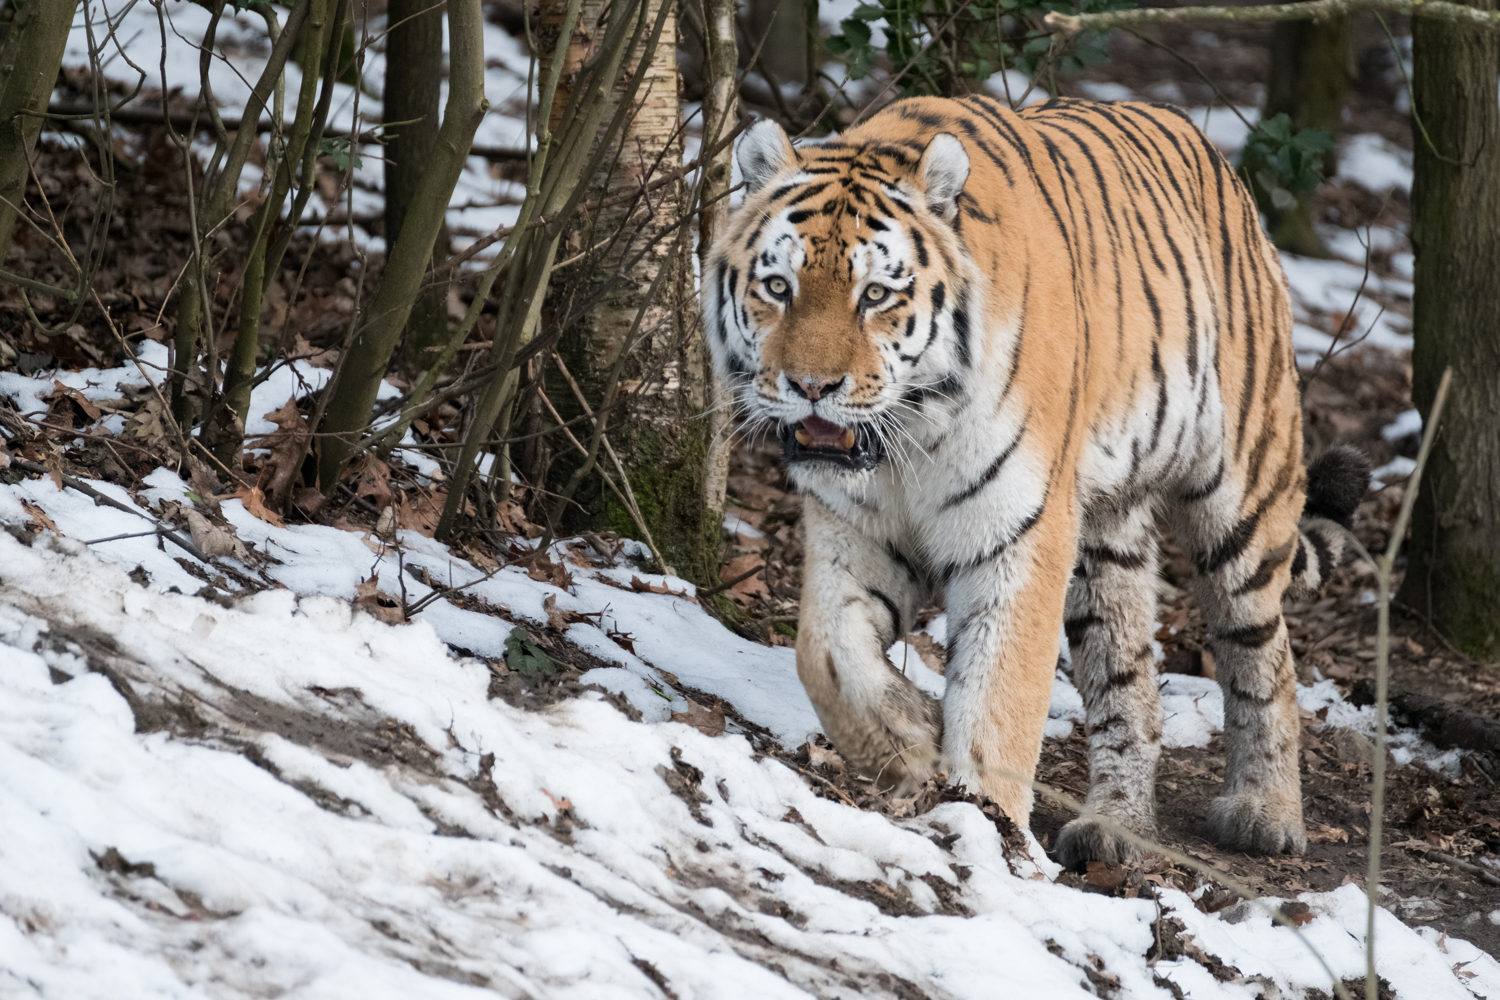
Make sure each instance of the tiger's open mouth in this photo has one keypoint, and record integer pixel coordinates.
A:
(819, 440)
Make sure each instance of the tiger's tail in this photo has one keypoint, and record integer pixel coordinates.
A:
(1336, 482)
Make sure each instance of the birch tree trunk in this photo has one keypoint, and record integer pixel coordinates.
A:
(720, 110)
(658, 429)
(1453, 568)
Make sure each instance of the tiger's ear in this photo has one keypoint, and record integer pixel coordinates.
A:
(764, 152)
(943, 169)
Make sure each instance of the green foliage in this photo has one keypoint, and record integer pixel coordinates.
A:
(338, 151)
(1285, 163)
(946, 42)
(525, 657)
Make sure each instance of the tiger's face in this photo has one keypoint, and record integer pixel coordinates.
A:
(836, 303)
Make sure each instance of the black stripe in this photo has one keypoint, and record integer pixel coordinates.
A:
(1299, 563)
(921, 245)
(1232, 544)
(989, 473)
(1325, 556)
(1202, 492)
(1123, 678)
(998, 550)
(896, 630)
(961, 329)
(1075, 627)
(1266, 570)
(811, 191)
(1105, 554)
(1252, 636)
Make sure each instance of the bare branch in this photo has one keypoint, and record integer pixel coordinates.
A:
(1316, 10)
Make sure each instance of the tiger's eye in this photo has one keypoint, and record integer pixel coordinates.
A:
(778, 286)
(876, 293)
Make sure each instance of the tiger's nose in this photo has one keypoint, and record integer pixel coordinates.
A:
(810, 387)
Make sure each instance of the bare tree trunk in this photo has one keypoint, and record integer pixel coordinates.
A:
(1308, 81)
(1453, 568)
(365, 365)
(34, 42)
(782, 23)
(719, 114)
(413, 81)
(659, 430)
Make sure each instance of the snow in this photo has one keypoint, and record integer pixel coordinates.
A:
(291, 855)
(1397, 468)
(1405, 425)
(1375, 162)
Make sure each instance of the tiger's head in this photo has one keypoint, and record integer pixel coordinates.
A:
(837, 301)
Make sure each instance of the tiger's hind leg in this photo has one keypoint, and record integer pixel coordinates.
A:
(1111, 609)
(1245, 555)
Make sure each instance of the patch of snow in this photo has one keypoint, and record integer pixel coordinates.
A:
(1227, 128)
(1375, 163)
(1405, 425)
(1397, 468)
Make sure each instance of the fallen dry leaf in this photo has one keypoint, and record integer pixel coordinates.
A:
(1103, 875)
(255, 502)
(544, 570)
(708, 721)
(367, 595)
(1321, 834)
(819, 756)
(39, 520)
(213, 540)
(84, 403)
(147, 426)
(753, 585)
(421, 511)
(373, 482)
(642, 587)
(280, 471)
(561, 618)
(4, 456)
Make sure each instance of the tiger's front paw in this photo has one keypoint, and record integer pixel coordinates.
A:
(1257, 824)
(1092, 838)
(899, 747)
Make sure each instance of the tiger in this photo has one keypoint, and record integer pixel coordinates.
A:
(997, 346)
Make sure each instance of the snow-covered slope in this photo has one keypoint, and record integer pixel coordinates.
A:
(288, 797)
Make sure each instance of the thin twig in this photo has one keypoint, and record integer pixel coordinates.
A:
(1384, 567)
(103, 499)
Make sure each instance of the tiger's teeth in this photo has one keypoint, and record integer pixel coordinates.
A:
(804, 438)
(848, 440)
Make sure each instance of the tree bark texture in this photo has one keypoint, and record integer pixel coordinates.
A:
(782, 23)
(365, 364)
(1308, 81)
(34, 43)
(1453, 563)
(720, 111)
(413, 82)
(658, 429)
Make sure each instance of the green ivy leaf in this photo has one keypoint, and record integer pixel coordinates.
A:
(338, 151)
(525, 657)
